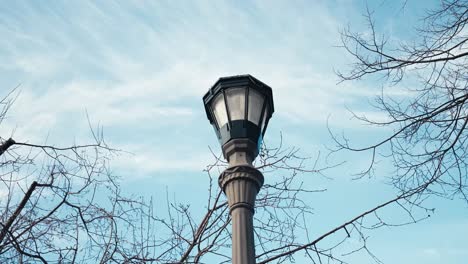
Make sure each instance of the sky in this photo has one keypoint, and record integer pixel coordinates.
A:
(139, 69)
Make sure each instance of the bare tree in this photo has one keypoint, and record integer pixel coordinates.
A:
(429, 143)
(63, 205)
(282, 220)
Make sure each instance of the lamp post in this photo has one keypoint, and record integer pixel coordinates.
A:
(239, 108)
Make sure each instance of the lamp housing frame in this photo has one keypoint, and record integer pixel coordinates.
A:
(243, 130)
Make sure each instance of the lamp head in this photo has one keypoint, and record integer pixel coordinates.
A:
(239, 108)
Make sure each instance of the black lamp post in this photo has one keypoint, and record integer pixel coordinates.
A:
(239, 108)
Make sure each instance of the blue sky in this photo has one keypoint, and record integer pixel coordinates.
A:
(141, 68)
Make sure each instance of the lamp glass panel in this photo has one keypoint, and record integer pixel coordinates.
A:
(255, 106)
(264, 118)
(236, 103)
(219, 110)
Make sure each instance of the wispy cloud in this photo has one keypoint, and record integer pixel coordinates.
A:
(143, 66)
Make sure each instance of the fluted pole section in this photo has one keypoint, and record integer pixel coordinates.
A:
(241, 185)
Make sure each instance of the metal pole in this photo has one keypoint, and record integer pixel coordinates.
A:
(241, 182)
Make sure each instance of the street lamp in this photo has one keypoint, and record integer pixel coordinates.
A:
(239, 108)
